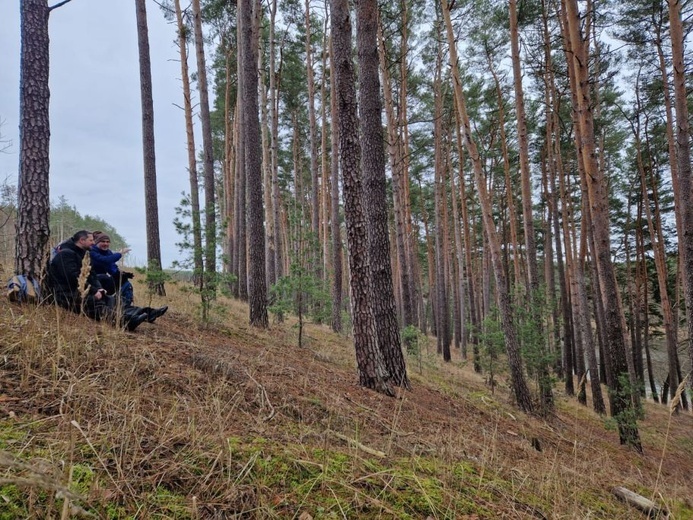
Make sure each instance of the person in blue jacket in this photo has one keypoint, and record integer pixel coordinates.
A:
(104, 263)
(64, 272)
(112, 279)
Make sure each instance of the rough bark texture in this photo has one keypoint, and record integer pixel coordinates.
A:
(33, 208)
(371, 365)
(373, 163)
(257, 286)
(150, 191)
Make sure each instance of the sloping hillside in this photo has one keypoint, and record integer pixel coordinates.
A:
(180, 420)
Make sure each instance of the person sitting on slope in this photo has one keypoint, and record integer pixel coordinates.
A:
(115, 281)
(64, 273)
(104, 263)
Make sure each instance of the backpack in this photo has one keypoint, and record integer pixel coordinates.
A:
(21, 289)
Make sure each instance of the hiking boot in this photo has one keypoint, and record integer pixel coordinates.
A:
(135, 321)
(153, 314)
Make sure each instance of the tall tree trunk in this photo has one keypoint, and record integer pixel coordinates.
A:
(411, 240)
(510, 198)
(192, 161)
(240, 206)
(683, 155)
(617, 362)
(397, 167)
(33, 204)
(519, 384)
(324, 155)
(274, 139)
(474, 313)
(459, 257)
(528, 219)
(270, 257)
(208, 156)
(312, 129)
(150, 192)
(257, 284)
(584, 313)
(439, 292)
(336, 229)
(375, 191)
(654, 226)
(371, 364)
(228, 170)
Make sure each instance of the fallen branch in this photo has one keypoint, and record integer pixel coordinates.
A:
(645, 505)
(360, 446)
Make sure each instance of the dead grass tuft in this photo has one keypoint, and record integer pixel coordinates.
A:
(180, 420)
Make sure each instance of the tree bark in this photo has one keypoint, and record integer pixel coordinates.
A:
(257, 284)
(683, 154)
(519, 384)
(192, 160)
(148, 147)
(335, 225)
(371, 365)
(208, 156)
(617, 363)
(33, 204)
(376, 206)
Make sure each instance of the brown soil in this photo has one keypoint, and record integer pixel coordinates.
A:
(231, 381)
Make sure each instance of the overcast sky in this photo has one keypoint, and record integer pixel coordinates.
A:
(95, 114)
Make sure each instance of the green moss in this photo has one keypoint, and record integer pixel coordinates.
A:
(12, 503)
(82, 479)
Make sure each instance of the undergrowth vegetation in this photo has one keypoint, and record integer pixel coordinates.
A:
(192, 420)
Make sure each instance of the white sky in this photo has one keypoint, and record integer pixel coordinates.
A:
(96, 129)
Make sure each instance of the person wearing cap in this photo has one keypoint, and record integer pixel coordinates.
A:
(104, 264)
(64, 273)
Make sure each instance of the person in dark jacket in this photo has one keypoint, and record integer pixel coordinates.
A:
(64, 275)
(104, 263)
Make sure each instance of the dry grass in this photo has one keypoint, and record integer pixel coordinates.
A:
(181, 420)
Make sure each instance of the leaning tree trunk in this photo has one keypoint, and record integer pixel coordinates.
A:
(375, 191)
(371, 365)
(519, 384)
(620, 394)
(33, 204)
(150, 191)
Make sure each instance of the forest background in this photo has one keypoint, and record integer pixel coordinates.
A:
(539, 179)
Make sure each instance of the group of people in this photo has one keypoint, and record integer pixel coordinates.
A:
(106, 292)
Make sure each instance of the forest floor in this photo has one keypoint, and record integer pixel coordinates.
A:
(185, 420)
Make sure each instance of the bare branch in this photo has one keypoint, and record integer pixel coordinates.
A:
(59, 4)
